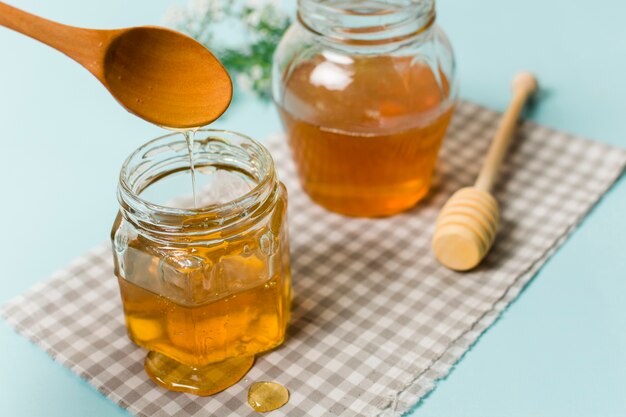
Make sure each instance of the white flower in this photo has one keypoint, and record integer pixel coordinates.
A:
(176, 15)
(257, 4)
(256, 72)
(217, 9)
(200, 7)
(258, 7)
(254, 18)
(244, 82)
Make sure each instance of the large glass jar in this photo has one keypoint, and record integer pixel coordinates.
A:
(365, 90)
(203, 289)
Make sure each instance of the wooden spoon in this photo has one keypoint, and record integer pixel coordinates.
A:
(467, 224)
(158, 74)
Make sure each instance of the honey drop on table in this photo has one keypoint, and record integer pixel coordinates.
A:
(267, 396)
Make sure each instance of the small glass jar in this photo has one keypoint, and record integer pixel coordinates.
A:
(203, 289)
(365, 90)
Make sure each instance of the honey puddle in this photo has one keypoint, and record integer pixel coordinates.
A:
(267, 396)
(201, 380)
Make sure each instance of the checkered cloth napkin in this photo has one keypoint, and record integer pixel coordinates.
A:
(376, 321)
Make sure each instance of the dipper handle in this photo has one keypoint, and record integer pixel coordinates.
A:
(467, 224)
(524, 85)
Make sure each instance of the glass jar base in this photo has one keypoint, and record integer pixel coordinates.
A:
(203, 380)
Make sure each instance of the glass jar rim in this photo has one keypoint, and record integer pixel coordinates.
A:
(129, 196)
(393, 23)
(393, 8)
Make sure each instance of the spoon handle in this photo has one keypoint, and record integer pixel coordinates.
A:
(524, 85)
(82, 45)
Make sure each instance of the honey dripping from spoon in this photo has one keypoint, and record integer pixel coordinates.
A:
(189, 138)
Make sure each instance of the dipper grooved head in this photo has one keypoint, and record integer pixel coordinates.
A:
(465, 229)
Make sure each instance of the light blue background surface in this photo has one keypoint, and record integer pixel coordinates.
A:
(560, 350)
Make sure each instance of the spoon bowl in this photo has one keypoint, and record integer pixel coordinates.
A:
(165, 77)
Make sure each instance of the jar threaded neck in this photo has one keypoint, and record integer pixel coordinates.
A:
(366, 22)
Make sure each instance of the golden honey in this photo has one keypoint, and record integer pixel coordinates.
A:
(369, 147)
(365, 91)
(267, 396)
(205, 288)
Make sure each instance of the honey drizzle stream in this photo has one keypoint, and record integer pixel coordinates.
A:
(189, 138)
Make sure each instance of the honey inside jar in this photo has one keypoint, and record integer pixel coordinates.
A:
(242, 320)
(365, 131)
(203, 286)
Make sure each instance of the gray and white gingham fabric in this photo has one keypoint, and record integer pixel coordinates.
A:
(376, 321)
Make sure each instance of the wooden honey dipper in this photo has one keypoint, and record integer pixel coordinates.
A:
(467, 224)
